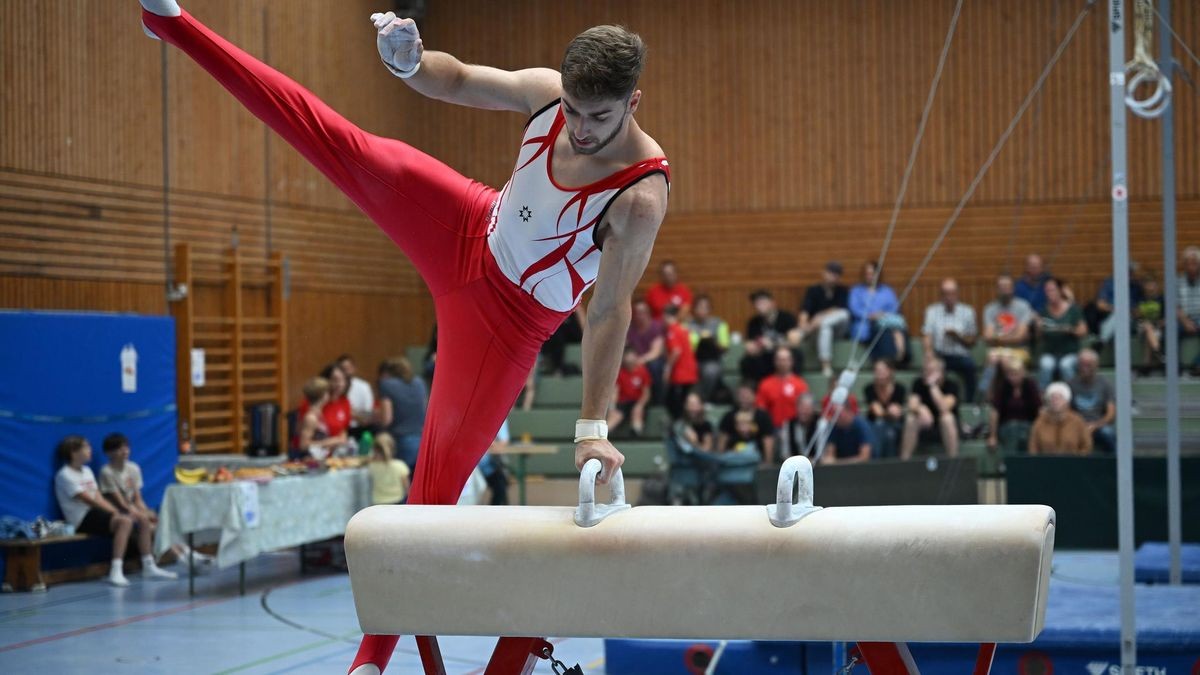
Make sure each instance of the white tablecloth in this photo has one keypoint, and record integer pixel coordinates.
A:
(292, 510)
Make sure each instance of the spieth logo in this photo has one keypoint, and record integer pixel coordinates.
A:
(1103, 668)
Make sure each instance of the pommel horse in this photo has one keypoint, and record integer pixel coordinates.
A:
(878, 576)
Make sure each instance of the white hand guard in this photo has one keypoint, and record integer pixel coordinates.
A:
(399, 44)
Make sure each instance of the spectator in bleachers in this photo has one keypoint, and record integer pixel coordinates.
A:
(878, 311)
(669, 292)
(1189, 300)
(1015, 404)
(932, 412)
(1092, 397)
(85, 509)
(950, 333)
(850, 438)
(777, 393)
(359, 394)
(389, 476)
(1031, 287)
(1006, 325)
(764, 429)
(681, 372)
(885, 399)
(1098, 314)
(648, 337)
(766, 331)
(315, 439)
(121, 484)
(1149, 317)
(826, 313)
(745, 435)
(632, 394)
(795, 435)
(403, 398)
(1060, 328)
(1058, 429)
(710, 339)
(693, 427)
(337, 409)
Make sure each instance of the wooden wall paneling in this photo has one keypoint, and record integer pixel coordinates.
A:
(787, 129)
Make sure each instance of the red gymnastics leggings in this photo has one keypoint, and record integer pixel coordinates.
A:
(489, 330)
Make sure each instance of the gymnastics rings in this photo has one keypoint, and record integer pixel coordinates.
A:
(1139, 72)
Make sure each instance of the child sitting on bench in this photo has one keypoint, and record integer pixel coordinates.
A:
(90, 513)
(121, 484)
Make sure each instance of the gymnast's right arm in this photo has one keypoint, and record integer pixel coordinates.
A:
(441, 76)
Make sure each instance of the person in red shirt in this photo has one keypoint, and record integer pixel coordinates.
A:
(682, 371)
(668, 292)
(777, 393)
(336, 413)
(632, 394)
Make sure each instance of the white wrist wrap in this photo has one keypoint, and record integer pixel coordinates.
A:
(591, 430)
(403, 74)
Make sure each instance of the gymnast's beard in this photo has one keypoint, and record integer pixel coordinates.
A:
(595, 147)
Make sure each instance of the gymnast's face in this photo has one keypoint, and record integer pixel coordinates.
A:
(592, 125)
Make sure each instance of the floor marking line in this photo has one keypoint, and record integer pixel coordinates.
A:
(285, 654)
(196, 604)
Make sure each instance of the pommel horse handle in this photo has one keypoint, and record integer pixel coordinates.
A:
(784, 512)
(589, 513)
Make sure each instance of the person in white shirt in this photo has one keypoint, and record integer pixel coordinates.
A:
(950, 333)
(362, 397)
(90, 513)
(121, 484)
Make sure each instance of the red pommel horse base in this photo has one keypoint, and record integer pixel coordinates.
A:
(878, 576)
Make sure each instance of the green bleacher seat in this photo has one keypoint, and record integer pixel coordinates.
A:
(559, 392)
(416, 356)
(642, 459)
(574, 353)
(552, 425)
(988, 462)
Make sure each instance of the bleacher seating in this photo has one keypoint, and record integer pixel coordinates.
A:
(557, 402)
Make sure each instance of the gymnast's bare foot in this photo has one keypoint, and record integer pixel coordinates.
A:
(161, 8)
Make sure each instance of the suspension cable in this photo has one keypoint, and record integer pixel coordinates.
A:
(1175, 35)
(848, 376)
(912, 153)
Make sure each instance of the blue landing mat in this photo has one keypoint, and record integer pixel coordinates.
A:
(1082, 635)
(1151, 563)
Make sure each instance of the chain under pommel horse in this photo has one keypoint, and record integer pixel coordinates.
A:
(880, 576)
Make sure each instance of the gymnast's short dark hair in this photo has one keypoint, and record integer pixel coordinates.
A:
(603, 62)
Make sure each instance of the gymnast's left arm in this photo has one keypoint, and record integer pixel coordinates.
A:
(631, 225)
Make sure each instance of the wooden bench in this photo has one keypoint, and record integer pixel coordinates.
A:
(23, 564)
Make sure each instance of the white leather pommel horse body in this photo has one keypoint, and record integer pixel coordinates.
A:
(788, 572)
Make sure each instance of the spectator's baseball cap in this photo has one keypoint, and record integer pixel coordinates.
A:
(760, 293)
(834, 266)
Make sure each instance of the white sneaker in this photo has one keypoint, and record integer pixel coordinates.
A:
(156, 572)
(117, 580)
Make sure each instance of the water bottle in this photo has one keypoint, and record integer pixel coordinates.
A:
(366, 443)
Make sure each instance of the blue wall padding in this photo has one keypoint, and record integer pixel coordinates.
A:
(61, 374)
(1152, 563)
